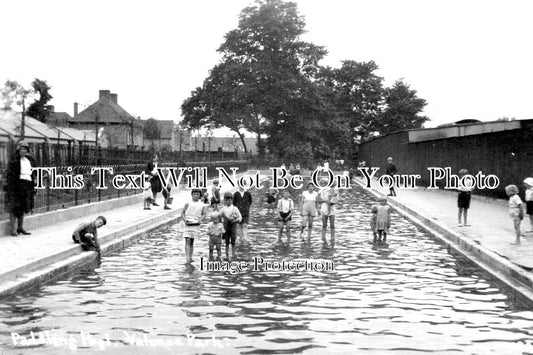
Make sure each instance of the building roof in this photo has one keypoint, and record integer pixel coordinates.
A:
(10, 124)
(59, 118)
(106, 110)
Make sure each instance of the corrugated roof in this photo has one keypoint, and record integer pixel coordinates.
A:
(10, 123)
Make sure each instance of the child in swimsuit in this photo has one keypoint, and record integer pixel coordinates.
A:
(191, 216)
(285, 210)
(309, 202)
(215, 195)
(383, 220)
(515, 209)
(271, 197)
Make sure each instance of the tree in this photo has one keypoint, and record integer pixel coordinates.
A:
(357, 96)
(40, 109)
(13, 92)
(259, 86)
(151, 129)
(402, 109)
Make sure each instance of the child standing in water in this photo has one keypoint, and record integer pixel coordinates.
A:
(215, 195)
(271, 197)
(328, 198)
(374, 210)
(191, 216)
(242, 199)
(309, 201)
(383, 220)
(215, 231)
(231, 217)
(515, 209)
(285, 210)
(528, 184)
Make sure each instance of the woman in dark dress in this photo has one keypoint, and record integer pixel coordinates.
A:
(19, 188)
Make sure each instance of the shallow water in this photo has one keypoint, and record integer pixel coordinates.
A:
(408, 296)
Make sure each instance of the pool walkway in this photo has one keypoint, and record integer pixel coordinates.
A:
(489, 233)
(22, 258)
(29, 260)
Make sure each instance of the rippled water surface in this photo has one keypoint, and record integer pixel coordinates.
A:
(409, 296)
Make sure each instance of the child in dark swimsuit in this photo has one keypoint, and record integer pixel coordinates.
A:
(285, 210)
(215, 195)
(271, 197)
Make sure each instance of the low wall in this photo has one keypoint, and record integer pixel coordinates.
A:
(507, 154)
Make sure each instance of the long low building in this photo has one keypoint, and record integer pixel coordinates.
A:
(501, 148)
(37, 132)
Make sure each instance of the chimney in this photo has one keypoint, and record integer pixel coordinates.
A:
(75, 109)
(114, 98)
(105, 94)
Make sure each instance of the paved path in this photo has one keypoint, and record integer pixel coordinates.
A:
(18, 252)
(53, 242)
(490, 224)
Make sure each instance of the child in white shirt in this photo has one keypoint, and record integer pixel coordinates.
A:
(515, 209)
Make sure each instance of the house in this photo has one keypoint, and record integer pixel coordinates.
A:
(58, 119)
(171, 138)
(106, 116)
(224, 144)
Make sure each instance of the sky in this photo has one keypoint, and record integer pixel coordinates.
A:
(468, 59)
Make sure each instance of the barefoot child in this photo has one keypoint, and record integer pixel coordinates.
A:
(231, 217)
(242, 199)
(215, 231)
(87, 234)
(309, 201)
(528, 184)
(271, 197)
(383, 220)
(328, 198)
(515, 209)
(191, 216)
(374, 210)
(215, 194)
(463, 200)
(147, 194)
(285, 210)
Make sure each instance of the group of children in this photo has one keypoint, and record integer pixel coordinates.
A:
(226, 222)
(516, 206)
(232, 219)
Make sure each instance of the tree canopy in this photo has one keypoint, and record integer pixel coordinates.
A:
(40, 109)
(151, 129)
(270, 82)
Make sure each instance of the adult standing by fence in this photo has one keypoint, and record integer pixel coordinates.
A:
(155, 182)
(19, 188)
(391, 171)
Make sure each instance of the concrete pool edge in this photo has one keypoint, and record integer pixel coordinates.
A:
(40, 276)
(44, 270)
(516, 280)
